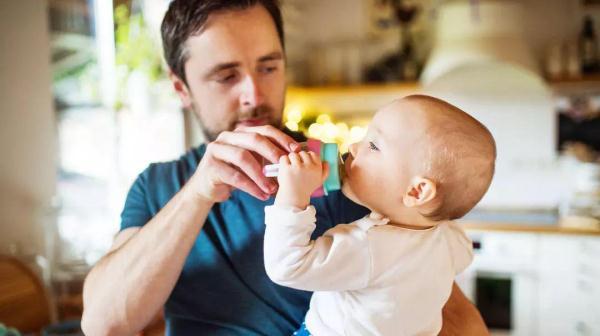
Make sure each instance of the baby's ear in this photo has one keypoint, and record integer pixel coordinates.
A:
(420, 191)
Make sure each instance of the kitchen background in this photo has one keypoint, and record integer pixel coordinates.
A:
(85, 106)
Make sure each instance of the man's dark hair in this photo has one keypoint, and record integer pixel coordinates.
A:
(186, 18)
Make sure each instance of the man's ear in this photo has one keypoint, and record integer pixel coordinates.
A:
(419, 192)
(182, 90)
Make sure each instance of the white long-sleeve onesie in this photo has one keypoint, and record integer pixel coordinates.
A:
(369, 278)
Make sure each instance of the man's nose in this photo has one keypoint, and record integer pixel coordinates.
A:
(251, 95)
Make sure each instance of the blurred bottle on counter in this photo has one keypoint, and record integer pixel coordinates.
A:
(554, 63)
(588, 47)
(573, 61)
(580, 205)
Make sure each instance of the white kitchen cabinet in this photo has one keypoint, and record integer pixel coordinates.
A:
(555, 280)
(557, 291)
(506, 265)
(587, 279)
(569, 293)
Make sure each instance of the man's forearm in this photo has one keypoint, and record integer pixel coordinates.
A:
(461, 317)
(130, 284)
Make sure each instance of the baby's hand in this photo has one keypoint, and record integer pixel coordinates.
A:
(299, 175)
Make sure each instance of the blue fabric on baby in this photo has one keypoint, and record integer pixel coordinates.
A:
(302, 331)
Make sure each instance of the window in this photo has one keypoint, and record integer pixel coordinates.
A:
(114, 116)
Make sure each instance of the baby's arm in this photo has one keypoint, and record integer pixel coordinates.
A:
(339, 260)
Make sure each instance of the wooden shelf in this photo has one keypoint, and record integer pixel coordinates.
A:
(356, 100)
(356, 89)
(588, 84)
(416, 86)
(364, 99)
(582, 79)
(524, 228)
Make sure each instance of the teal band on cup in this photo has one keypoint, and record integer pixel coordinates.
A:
(329, 153)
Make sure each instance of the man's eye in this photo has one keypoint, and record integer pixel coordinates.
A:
(372, 146)
(268, 69)
(226, 79)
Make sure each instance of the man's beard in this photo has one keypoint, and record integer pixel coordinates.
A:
(259, 112)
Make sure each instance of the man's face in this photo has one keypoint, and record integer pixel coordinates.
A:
(235, 72)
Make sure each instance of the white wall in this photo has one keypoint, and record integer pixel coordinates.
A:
(27, 128)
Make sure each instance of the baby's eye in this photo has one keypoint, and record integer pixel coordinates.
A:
(372, 146)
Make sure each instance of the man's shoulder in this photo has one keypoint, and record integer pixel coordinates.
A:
(161, 180)
(182, 167)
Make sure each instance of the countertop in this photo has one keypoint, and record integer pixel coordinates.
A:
(524, 221)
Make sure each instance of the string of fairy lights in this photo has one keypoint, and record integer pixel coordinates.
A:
(319, 124)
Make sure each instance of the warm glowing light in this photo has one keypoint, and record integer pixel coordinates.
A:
(357, 133)
(342, 129)
(315, 131)
(330, 132)
(326, 130)
(294, 113)
(344, 147)
(292, 126)
(323, 119)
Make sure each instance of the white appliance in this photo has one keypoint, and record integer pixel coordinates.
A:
(503, 282)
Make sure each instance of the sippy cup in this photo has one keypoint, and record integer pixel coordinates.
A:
(328, 152)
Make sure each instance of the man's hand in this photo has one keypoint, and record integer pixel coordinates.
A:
(233, 160)
(299, 175)
(150, 259)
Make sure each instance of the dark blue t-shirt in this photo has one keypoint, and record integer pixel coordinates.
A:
(223, 288)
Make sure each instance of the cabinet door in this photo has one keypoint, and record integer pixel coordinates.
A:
(587, 279)
(507, 265)
(569, 300)
(559, 308)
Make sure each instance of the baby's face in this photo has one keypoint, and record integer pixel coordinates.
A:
(421, 138)
(379, 168)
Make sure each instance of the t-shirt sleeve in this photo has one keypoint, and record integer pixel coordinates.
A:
(136, 212)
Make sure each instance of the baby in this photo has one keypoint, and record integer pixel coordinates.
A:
(422, 164)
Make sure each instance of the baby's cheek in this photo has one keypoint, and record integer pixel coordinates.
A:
(373, 184)
(358, 184)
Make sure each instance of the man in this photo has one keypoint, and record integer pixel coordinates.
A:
(192, 230)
